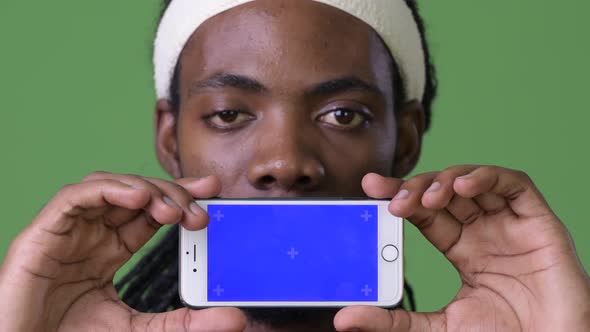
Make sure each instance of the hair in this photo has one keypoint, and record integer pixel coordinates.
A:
(152, 284)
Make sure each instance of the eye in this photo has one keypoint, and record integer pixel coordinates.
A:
(344, 118)
(228, 119)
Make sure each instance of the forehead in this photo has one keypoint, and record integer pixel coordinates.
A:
(289, 42)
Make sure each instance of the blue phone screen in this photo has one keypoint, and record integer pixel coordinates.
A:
(292, 253)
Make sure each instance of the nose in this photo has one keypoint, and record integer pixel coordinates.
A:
(285, 159)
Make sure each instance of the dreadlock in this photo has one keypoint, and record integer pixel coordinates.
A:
(152, 284)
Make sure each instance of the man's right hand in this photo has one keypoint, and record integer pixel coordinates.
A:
(58, 273)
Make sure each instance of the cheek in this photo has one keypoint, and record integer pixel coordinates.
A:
(202, 154)
(373, 151)
(349, 160)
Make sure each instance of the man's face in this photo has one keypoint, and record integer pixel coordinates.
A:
(286, 98)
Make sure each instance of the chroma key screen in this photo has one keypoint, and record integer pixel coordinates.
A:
(292, 253)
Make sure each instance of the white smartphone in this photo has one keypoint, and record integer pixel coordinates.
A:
(293, 253)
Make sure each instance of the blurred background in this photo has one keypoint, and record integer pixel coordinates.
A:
(76, 96)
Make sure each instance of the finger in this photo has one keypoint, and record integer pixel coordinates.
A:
(491, 203)
(168, 204)
(74, 200)
(118, 215)
(439, 227)
(515, 187)
(440, 192)
(178, 194)
(135, 234)
(203, 188)
(137, 219)
(194, 217)
(380, 187)
(206, 320)
(465, 210)
(373, 319)
(94, 176)
(408, 198)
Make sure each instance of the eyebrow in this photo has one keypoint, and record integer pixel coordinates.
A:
(248, 84)
(341, 85)
(224, 80)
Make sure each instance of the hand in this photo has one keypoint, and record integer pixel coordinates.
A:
(58, 273)
(515, 258)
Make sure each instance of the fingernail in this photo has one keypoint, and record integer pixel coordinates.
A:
(169, 201)
(195, 208)
(402, 194)
(433, 187)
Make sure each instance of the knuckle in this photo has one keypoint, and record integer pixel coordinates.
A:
(94, 176)
(132, 177)
(458, 168)
(449, 174)
(426, 221)
(523, 176)
(177, 186)
(174, 188)
(66, 199)
(419, 180)
(135, 176)
(471, 217)
(67, 190)
(138, 182)
(453, 169)
(496, 168)
(490, 169)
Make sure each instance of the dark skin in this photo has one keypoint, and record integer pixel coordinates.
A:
(514, 256)
(289, 138)
(290, 129)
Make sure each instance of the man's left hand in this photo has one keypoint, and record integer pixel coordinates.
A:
(516, 260)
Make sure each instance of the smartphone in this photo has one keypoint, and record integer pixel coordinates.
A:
(293, 253)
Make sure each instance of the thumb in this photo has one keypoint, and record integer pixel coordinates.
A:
(373, 319)
(187, 320)
(206, 187)
(380, 187)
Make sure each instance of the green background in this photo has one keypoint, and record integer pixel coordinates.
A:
(76, 96)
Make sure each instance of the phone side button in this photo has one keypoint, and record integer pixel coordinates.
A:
(390, 253)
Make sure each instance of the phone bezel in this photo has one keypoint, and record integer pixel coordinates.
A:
(193, 285)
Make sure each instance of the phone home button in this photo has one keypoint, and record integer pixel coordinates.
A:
(390, 253)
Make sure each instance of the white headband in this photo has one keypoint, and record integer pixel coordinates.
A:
(392, 19)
